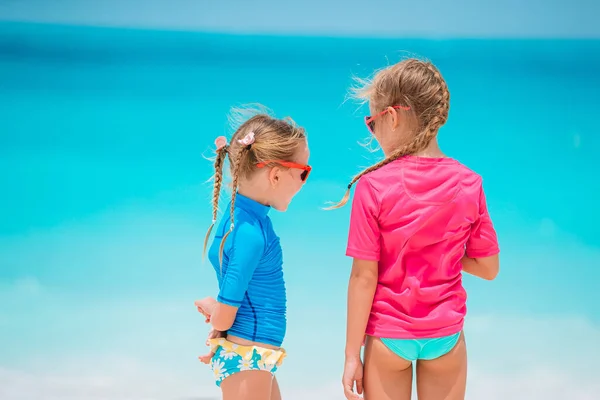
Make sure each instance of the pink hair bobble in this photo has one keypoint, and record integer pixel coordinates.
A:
(220, 142)
(247, 140)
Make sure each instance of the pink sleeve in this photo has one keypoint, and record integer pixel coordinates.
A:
(363, 238)
(482, 240)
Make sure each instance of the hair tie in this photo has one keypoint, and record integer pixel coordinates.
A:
(220, 143)
(247, 140)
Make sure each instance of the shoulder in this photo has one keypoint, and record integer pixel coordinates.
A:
(367, 195)
(469, 177)
(382, 173)
(367, 187)
(471, 183)
(377, 183)
(372, 182)
(247, 233)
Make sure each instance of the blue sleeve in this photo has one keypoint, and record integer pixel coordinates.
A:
(244, 251)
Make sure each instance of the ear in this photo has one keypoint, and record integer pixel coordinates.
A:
(274, 176)
(395, 119)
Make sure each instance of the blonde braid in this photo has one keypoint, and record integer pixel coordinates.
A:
(236, 175)
(440, 117)
(219, 161)
(443, 102)
(421, 140)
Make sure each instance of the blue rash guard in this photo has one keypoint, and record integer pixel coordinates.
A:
(251, 276)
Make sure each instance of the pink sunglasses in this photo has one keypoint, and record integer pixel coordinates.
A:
(369, 120)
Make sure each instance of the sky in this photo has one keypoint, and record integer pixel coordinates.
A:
(432, 18)
(105, 196)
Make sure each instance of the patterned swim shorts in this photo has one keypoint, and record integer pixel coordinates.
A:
(231, 358)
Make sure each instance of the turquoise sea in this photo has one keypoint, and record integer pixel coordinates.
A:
(105, 200)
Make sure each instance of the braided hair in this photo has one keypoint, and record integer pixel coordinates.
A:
(411, 83)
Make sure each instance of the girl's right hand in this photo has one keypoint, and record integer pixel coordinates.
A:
(353, 377)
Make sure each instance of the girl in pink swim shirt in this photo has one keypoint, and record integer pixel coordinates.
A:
(419, 219)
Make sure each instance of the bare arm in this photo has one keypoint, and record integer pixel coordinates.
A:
(484, 267)
(361, 289)
(220, 316)
(249, 246)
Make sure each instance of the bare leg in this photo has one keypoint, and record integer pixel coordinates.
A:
(275, 393)
(387, 376)
(444, 378)
(248, 385)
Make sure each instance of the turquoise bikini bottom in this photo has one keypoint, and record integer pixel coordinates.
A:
(422, 349)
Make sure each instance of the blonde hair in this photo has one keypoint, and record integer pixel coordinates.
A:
(411, 83)
(274, 139)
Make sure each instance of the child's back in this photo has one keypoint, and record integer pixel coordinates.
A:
(423, 212)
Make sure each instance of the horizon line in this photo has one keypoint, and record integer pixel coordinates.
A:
(293, 34)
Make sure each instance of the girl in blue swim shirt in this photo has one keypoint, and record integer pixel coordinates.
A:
(268, 161)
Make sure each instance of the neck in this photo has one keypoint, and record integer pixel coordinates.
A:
(253, 192)
(431, 151)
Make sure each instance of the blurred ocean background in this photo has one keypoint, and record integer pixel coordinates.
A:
(104, 130)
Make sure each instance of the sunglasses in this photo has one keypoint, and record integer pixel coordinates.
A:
(288, 164)
(370, 120)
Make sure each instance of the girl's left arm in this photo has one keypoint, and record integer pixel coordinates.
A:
(243, 254)
(223, 316)
(219, 315)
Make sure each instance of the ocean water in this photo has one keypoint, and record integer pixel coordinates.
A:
(105, 201)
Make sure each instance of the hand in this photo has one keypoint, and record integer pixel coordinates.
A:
(205, 307)
(213, 334)
(353, 376)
